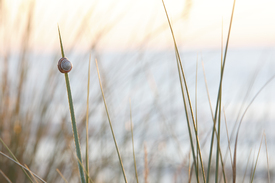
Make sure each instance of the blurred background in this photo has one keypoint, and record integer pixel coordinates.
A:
(134, 48)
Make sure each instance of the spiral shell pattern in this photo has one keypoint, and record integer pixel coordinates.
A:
(64, 65)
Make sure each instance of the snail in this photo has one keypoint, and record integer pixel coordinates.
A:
(64, 65)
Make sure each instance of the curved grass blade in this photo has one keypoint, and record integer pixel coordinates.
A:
(110, 123)
(75, 133)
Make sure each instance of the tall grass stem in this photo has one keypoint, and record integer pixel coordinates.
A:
(74, 127)
(219, 93)
(87, 122)
(133, 144)
(110, 123)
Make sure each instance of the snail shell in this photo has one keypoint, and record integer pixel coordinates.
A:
(64, 65)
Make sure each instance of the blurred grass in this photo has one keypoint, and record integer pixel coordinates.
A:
(36, 127)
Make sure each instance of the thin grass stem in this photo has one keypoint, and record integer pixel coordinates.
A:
(257, 160)
(87, 122)
(61, 175)
(31, 173)
(267, 161)
(133, 146)
(181, 72)
(219, 120)
(7, 179)
(15, 159)
(196, 109)
(246, 165)
(74, 127)
(218, 144)
(219, 93)
(110, 123)
(22, 166)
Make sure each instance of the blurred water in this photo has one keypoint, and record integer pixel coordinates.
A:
(150, 80)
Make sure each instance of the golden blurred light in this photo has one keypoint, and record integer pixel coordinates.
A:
(122, 24)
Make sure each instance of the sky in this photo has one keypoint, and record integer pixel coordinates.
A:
(130, 24)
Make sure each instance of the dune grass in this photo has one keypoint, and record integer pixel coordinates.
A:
(198, 163)
(74, 127)
(111, 126)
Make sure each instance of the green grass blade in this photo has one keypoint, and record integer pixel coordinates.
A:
(210, 106)
(75, 133)
(218, 97)
(86, 173)
(133, 143)
(87, 122)
(181, 74)
(110, 123)
(60, 41)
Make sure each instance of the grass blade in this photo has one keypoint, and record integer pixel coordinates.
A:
(246, 166)
(22, 167)
(181, 74)
(110, 123)
(234, 167)
(61, 175)
(146, 170)
(219, 118)
(31, 173)
(267, 161)
(75, 133)
(196, 109)
(7, 179)
(257, 160)
(87, 122)
(15, 159)
(228, 138)
(219, 93)
(133, 143)
(210, 106)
